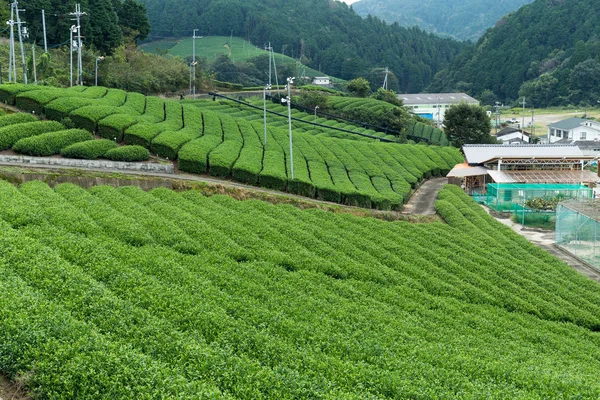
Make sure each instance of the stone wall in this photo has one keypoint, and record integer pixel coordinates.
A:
(95, 164)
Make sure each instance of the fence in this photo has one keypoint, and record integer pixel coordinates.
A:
(577, 229)
(507, 196)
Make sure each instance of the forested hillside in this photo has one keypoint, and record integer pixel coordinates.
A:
(462, 19)
(548, 51)
(326, 35)
(105, 25)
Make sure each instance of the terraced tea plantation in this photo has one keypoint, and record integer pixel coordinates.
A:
(362, 173)
(125, 294)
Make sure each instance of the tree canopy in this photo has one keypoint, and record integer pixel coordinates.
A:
(326, 35)
(466, 124)
(461, 19)
(104, 25)
(548, 51)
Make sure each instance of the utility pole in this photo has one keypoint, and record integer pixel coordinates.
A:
(44, 26)
(497, 107)
(316, 108)
(385, 80)
(532, 124)
(268, 87)
(34, 70)
(78, 14)
(96, 78)
(194, 37)
(523, 120)
(16, 5)
(290, 81)
(269, 50)
(275, 70)
(11, 52)
(438, 111)
(72, 30)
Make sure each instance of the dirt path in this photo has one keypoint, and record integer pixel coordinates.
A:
(423, 200)
(545, 240)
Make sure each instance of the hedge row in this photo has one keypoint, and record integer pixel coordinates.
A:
(9, 135)
(128, 153)
(16, 118)
(50, 143)
(89, 149)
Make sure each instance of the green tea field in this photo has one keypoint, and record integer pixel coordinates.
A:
(212, 138)
(126, 294)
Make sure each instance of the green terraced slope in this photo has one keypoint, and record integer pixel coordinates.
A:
(126, 294)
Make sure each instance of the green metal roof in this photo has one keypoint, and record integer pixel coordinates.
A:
(568, 124)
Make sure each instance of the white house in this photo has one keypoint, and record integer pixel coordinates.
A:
(434, 105)
(321, 80)
(513, 136)
(573, 129)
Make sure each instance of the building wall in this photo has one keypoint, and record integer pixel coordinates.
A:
(514, 135)
(578, 133)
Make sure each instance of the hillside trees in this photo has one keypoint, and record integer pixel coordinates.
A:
(467, 124)
(104, 27)
(328, 34)
(548, 50)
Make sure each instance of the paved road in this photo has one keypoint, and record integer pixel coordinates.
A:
(423, 200)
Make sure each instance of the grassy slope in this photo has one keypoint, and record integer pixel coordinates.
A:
(210, 47)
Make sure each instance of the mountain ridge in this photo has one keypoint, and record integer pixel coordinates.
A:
(462, 20)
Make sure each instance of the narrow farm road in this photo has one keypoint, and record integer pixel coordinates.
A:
(423, 200)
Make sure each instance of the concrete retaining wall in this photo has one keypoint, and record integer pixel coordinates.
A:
(96, 164)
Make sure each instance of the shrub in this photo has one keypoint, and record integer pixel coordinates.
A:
(34, 101)
(155, 109)
(93, 92)
(16, 118)
(193, 156)
(88, 117)
(9, 135)
(221, 159)
(9, 91)
(60, 108)
(168, 143)
(114, 97)
(51, 142)
(142, 133)
(114, 126)
(128, 153)
(89, 150)
(136, 102)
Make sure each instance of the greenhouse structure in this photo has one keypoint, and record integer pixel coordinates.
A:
(507, 196)
(578, 229)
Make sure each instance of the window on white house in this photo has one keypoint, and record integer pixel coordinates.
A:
(582, 135)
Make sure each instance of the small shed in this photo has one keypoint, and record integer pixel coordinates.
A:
(321, 80)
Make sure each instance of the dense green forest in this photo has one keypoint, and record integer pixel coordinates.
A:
(326, 35)
(461, 19)
(548, 51)
(106, 25)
